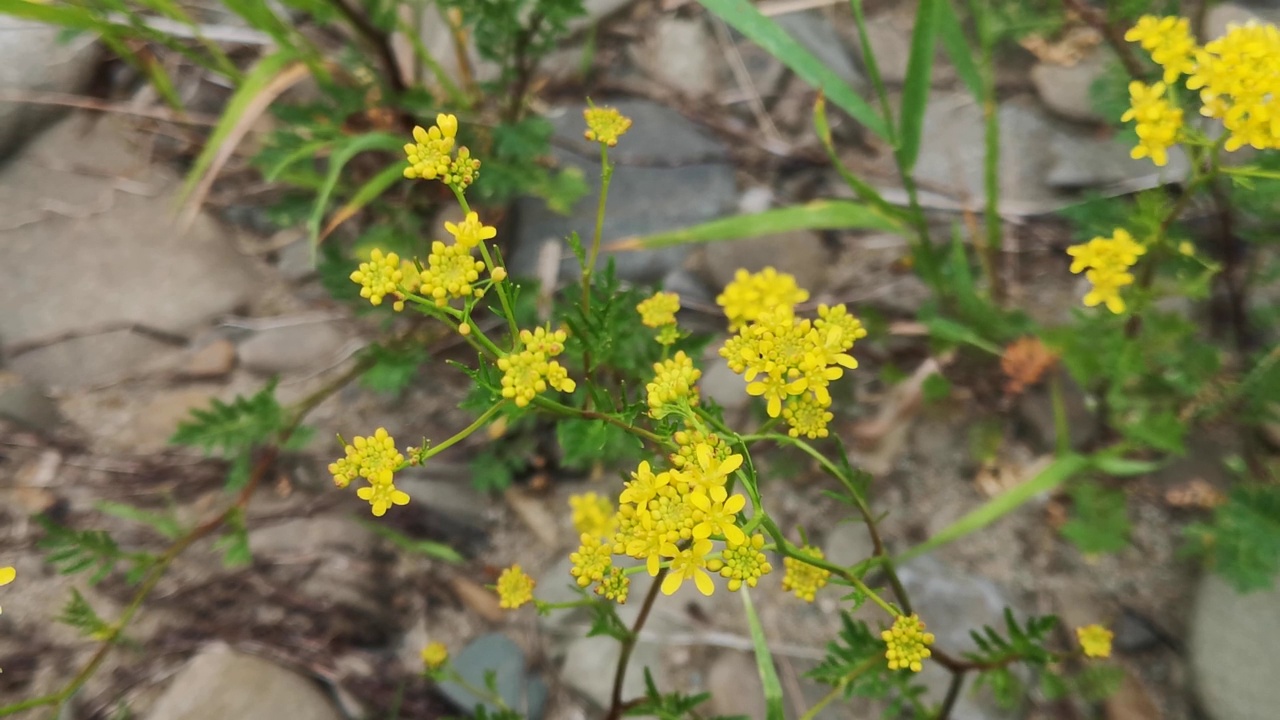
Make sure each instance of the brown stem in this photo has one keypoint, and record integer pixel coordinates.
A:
(524, 67)
(616, 706)
(1098, 20)
(380, 40)
(953, 694)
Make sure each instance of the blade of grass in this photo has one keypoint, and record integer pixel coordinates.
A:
(367, 193)
(271, 76)
(915, 90)
(338, 160)
(817, 215)
(773, 709)
(742, 16)
(1046, 480)
(951, 33)
(865, 192)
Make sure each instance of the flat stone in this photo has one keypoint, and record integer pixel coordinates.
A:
(495, 653)
(801, 253)
(211, 361)
(115, 356)
(1066, 90)
(220, 683)
(669, 174)
(814, 30)
(1232, 645)
(849, 543)
(80, 207)
(681, 55)
(589, 662)
(148, 430)
(27, 405)
(36, 57)
(723, 385)
(292, 348)
(297, 260)
(1221, 16)
(735, 687)
(1086, 162)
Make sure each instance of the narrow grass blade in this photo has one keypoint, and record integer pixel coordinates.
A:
(742, 16)
(915, 90)
(951, 33)
(1046, 480)
(337, 161)
(952, 331)
(271, 76)
(865, 192)
(367, 193)
(817, 215)
(773, 709)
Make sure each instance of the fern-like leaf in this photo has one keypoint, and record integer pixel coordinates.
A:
(231, 429)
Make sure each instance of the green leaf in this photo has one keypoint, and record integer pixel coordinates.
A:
(393, 369)
(936, 388)
(365, 194)
(746, 19)
(257, 81)
(1242, 542)
(439, 551)
(915, 90)
(954, 332)
(864, 191)
(234, 542)
(233, 428)
(585, 442)
(1122, 466)
(1047, 480)
(764, 661)
(337, 161)
(165, 524)
(79, 614)
(951, 33)
(1100, 521)
(817, 215)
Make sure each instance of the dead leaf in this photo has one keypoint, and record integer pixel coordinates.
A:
(477, 598)
(1196, 493)
(1024, 362)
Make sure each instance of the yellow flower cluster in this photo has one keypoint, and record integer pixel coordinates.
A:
(908, 643)
(515, 588)
(1238, 76)
(1095, 640)
(450, 272)
(742, 562)
(787, 360)
(470, 232)
(659, 310)
(380, 277)
(375, 459)
(531, 370)
(1169, 41)
(605, 125)
(431, 157)
(592, 514)
(7, 575)
(1107, 261)
(434, 655)
(673, 383)
(1158, 121)
(751, 294)
(803, 579)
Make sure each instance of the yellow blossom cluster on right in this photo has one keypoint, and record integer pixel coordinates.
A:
(431, 155)
(803, 579)
(530, 370)
(515, 588)
(788, 360)
(1106, 261)
(375, 459)
(908, 643)
(673, 382)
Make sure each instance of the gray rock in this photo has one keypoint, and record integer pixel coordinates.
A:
(1086, 161)
(670, 174)
(598, 10)
(79, 211)
(681, 55)
(801, 253)
(1232, 650)
(35, 57)
(848, 543)
(292, 348)
(210, 361)
(890, 36)
(26, 404)
(1220, 16)
(495, 653)
(589, 662)
(723, 385)
(952, 602)
(1066, 90)
(735, 687)
(219, 683)
(297, 260)
(115, 356)
(813, 30)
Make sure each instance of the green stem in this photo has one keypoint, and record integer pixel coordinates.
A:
(1061, 431)
(488, 261)
(629, 646)
(465, 432)
(788, 549)
(558, 407)
(836, 691)
(481, 693)
(991, 159)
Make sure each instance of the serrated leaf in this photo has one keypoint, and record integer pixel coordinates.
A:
(233, 428)
(79, 614)
(166, 525)
(393, 368)
(1243, 540)
(1100, 519)
(234, 542)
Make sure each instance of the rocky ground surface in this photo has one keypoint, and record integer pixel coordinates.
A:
(116, 321)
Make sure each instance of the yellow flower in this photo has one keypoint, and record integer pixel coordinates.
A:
(719, 513)
(742, 563)
(688, 564)
(1095, 640)
(435, 655)
(379, 277)
(373, 458)
(515, 588)
(1107, 261)
(687, 442)
(751, 294)
(530, 371)
(592, 514)
(710, 469)
(7, 575)
(803, 579)
(450, 272)
(605, 125)
(668, 335)
(1158, 122)
(659, 310)
(498, 274)
(463, 170)
(1169, 41)
(673, 382)
(1187, 248)
(470, 232)
(908, 643)
(592, 561)
(1238, 76)
(382, 497)
(644, 485)
(429, 155)
(807, 415)
(615, 586)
